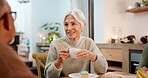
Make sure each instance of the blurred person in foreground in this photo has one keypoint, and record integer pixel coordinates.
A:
(143, 65)
(10, 64)
(59, 63)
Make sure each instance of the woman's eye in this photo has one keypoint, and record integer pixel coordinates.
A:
(66, 24)
(73, 23)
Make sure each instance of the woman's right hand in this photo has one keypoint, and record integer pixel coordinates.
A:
(62, 56)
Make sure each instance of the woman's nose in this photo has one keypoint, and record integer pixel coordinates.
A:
(69, 27)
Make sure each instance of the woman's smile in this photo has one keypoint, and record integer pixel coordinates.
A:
(70, 33)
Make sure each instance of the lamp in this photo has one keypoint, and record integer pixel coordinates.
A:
(114, 39)
(23, 1)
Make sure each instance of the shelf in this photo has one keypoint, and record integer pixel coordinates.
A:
(114, 68)
(136, 10)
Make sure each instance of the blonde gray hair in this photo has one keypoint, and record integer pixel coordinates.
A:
(78, 15)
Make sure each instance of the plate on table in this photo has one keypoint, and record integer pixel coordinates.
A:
(77, 75)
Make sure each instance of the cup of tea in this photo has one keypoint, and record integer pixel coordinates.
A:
(72, 51)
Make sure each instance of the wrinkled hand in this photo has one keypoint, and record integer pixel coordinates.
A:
(85, 54)
(63, 55)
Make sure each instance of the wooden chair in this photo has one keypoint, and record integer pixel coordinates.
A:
(38, 57)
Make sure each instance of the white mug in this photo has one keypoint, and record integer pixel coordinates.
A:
(72, 51)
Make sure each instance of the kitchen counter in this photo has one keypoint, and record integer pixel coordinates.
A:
(119, 53)
(123, 46)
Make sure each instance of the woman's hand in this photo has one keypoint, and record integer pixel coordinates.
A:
(85, 54)
(63, 55)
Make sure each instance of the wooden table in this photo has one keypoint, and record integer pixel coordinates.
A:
(115, 75)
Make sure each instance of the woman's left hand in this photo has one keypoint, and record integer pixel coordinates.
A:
(86, 54)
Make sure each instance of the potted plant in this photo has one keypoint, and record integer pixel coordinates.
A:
(52, 28)
(144, 3)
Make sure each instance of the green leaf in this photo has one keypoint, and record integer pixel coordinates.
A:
(56, 29)
(54, 26)
(145, 2)
(46, 28)
(44, 25)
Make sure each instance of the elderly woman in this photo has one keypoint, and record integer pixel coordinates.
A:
(60, 64)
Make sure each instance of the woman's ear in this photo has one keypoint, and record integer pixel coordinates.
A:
(83, 26)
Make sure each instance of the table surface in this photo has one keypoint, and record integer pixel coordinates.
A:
(115, 74)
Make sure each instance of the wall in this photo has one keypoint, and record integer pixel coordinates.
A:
(109, 19)
(136, 22)
(23, 13)
(98, 21)
(47, 11)
(117, 21)
(113, 19)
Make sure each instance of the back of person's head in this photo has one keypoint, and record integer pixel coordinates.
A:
(7, 30)
(1, 7)
(1, 3)
(78, 15)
